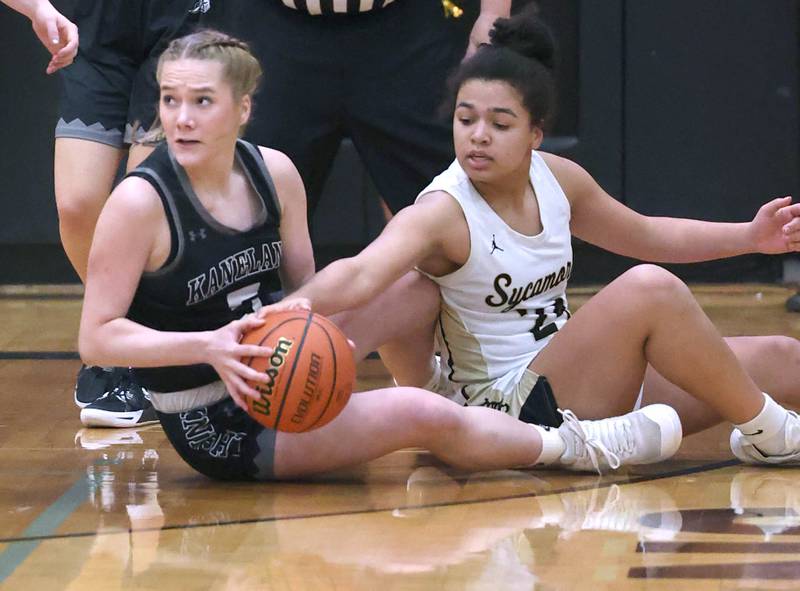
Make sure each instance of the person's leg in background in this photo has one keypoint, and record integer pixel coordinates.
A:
(298, 107)
(401, 57)
(163, 21)
(89, 147)
(108, 89)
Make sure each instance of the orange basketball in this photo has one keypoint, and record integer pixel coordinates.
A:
(311, 371)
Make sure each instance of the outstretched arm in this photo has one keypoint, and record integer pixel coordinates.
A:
(603, 221)
(56, 32)
(411, 237)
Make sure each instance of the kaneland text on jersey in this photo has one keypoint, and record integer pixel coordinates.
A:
(232, 269)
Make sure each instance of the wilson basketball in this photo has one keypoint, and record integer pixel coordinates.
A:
(311, 371)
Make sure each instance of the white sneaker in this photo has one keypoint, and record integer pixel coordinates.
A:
(644, 436)
(747, 451)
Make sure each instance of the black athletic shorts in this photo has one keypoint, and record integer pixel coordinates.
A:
(541, 408)
(221, 441)
(111, 84)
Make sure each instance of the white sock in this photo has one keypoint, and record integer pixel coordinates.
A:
(552, 445)
(767, 429)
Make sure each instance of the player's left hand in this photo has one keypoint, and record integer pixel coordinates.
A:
(57, 33)
(290, 304)
(287, 304)
(776, 227)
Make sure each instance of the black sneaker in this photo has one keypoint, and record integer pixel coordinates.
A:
(127, 404)
(92, 382)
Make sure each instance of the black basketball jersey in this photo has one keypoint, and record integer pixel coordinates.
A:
(213, 274)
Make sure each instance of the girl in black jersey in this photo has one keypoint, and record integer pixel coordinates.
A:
(202, 233)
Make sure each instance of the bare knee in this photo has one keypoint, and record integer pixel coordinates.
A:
(430, 416)
(652, 277)
(654, 285)
(84, 174)
(786, 350)
(78, 209)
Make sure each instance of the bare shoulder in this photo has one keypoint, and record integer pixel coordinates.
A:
(133, 222)
(572, 177)
(562, 167)
(280, 166)
(135, 198)
(434, 213)
(441, 204)
(442, 224)
(289, 186)
(439, 216)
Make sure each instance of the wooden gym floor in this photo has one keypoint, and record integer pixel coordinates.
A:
(116, 509)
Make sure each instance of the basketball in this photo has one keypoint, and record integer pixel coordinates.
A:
(311, 371)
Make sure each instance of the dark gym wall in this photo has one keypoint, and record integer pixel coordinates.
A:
(711, 112)
(683, 108)
(713, 117)
(29, 227)
(27, 111)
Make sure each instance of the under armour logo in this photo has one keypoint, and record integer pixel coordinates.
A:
(495, 247)
(199, 235)
(201, 6)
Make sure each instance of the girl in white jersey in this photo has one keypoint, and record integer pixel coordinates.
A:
(494, 232)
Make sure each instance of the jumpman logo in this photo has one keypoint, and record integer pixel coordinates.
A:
(495, 247)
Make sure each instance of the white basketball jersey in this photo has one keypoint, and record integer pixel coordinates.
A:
(502, 307)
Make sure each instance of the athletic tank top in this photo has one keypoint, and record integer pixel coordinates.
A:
(213, 274)
(504, 304)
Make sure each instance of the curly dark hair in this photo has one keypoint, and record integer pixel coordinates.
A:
(522, 54)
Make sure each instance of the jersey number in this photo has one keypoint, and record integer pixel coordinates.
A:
(540, 330)
(245, 295)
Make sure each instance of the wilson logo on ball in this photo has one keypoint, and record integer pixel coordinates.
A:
(276, 360)
(309, 375)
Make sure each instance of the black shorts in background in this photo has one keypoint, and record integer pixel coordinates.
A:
(111, 84)
(377, 77)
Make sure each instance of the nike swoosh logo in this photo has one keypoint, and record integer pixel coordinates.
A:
(759, 432)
